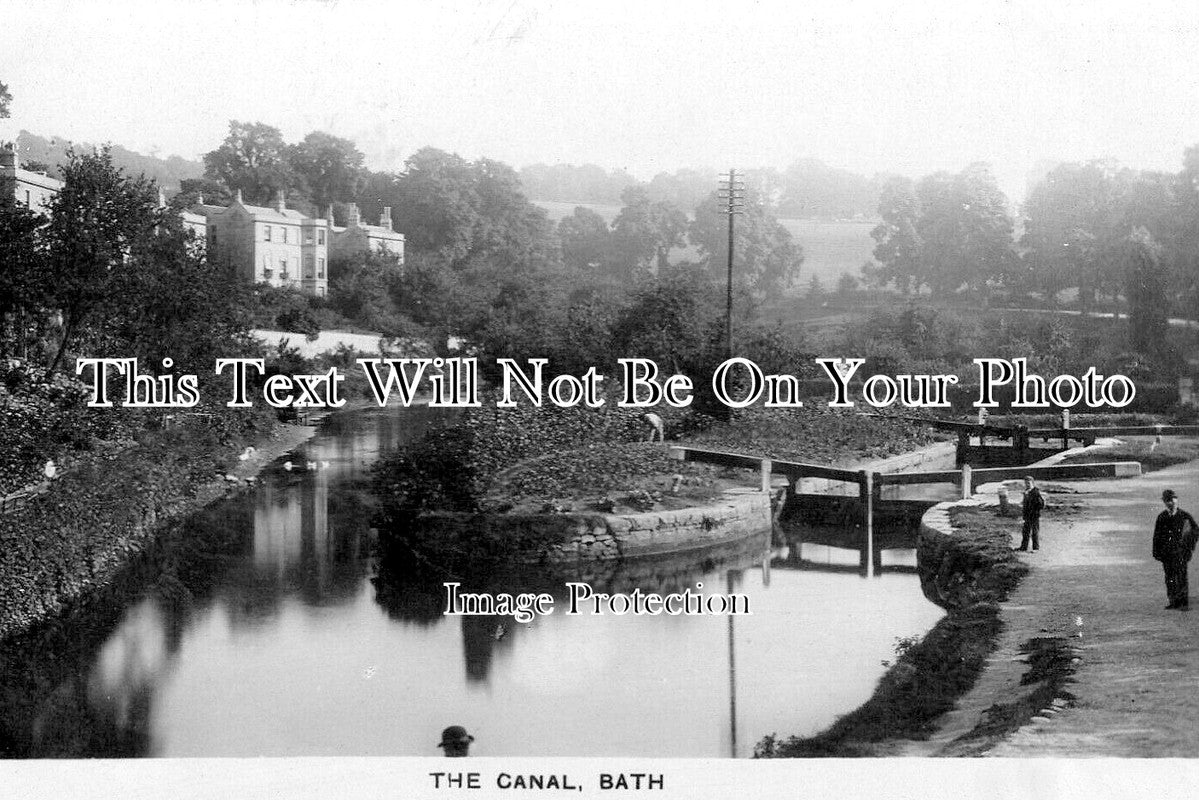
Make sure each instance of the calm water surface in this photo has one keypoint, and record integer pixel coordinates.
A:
(265, 626)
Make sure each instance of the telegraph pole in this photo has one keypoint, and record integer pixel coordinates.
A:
(732, 201)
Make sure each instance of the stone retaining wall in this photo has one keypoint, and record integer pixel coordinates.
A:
(571, 538)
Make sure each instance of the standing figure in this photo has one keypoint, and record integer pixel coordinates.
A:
(1031, 510)
(1174, 537)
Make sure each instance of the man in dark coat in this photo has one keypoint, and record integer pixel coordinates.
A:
(1174, 537)
(1031, 510)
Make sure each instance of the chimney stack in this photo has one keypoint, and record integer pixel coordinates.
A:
(329, 216)
(239, 199)
(385, 220)
(354, 217)
(280, 202)
(8, 155)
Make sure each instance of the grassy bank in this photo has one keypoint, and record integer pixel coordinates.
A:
(74, 538)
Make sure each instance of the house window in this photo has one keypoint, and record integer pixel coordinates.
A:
(320, 268)
(283, 269)
(266, 233)
(285, 236)
(308, 236)
(320, 237)
(308, 266)
(27, 203)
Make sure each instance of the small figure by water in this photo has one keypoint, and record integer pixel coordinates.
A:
(1031, 511)
(657, 429)
(1174, 538)
(455, 741)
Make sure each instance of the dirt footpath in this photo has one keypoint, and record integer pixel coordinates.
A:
(1096, 593)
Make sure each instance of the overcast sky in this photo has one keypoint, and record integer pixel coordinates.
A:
(908, 87)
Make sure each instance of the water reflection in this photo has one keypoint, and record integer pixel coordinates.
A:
(266, 626)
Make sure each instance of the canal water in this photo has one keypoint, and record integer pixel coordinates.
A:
(267, 626)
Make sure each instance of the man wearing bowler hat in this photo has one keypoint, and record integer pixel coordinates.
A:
(455, 741)
(1174, 537)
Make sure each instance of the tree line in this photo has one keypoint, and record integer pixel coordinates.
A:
(1093, 231)
(808, 188)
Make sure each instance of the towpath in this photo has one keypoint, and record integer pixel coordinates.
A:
(1095, 587)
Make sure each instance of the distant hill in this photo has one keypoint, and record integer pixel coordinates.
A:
(52, 152)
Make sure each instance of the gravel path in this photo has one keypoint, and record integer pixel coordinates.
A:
(1095, 587)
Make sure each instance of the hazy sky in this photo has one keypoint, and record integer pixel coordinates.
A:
(909, 87)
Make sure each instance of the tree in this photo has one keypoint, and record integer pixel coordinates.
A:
(482, 262)
(1066, 217)
(210, 190)
(362, 289)
(254, 159)
(23, 277)
(897, 241)
(97, 221)
(331, 168)
(767, 258)
(1145, 292)
(644, 232)
(5, 101)
(965, 230)
(169, 301)
(586, 239)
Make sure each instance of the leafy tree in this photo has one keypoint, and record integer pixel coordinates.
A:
(23, 277)
(482, 262)
(811, 188)
(568, 183)
(331, 168)
(210, 190)
(1066, 218)
(96, 222)
(253, 158)
(1145, 291)
(644, 232)
(965, 230)
(361, 289)
(170, 302)
(897, 240)
(684, 188)
(676, 322)
(766, 256)
(586, 239)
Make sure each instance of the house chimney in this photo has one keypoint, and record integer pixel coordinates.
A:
(280, 202)
(329, 216)
(8, 155)
(354, 217)
(385, 220)
(239, 199)
(200, 199)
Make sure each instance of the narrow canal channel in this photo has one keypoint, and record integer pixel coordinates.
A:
(261, 627)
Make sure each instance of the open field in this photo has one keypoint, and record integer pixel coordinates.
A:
(832, 248)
